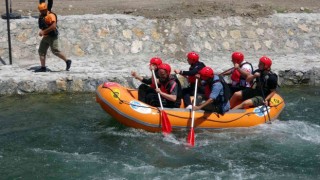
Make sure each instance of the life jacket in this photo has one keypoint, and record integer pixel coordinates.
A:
(262, 81)
(164, 87)
(236, 76)
(153, 85)
(192, 79)
(43, 25)
(223, 96)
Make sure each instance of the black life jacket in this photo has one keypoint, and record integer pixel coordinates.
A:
(43, 25)
(262, 81)
(226, 90)
(192, 79)
(222, 97)
(165, 88)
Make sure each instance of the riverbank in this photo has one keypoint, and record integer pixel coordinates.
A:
(108, 47)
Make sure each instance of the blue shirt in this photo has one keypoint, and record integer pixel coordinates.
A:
(217, 92)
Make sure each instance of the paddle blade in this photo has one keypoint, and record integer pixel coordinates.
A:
(190, 138)
(166, 126)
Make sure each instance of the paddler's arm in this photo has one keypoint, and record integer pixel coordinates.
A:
(52, 27)
(267, 99)
(169, 97)
(242, 72)
(250, 77)
(207, 102)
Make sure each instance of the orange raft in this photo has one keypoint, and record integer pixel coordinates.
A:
(122, 104)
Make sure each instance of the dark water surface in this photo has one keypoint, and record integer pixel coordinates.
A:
(70, 137)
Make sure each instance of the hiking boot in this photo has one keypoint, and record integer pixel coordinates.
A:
(42, 69)
(68, 62)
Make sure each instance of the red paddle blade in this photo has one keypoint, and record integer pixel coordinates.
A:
(190, 138)
(166, 126)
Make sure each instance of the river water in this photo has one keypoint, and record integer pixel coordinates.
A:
(68, 136)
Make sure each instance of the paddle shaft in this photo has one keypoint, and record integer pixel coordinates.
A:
(166, 126)
(155, 82)
(190, 138)
(226, 70)
(194, 102)
(269, 120)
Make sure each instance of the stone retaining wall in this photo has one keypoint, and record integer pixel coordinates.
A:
(121, 43)
(100, 35)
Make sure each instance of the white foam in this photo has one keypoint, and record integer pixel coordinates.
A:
(67, 156)
(172, 139)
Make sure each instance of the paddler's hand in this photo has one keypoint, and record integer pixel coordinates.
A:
(256, 74)
(177, 71)
(152, 67)
(236, 66)
(195, 108)
(158, 90)
(197, 76)
(41, 33)
(134, 74)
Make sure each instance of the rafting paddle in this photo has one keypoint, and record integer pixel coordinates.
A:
(190, 138)
(166, 126)
(269, 120)
(226, 70)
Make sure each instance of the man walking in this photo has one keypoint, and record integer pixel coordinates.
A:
(49, 32)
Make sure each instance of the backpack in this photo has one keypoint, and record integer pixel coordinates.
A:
(226, 89)
(43, 25)
(218, 103)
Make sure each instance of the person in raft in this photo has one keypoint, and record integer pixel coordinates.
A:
(195, 67)
(147, 85)
(215, 99)
(48, 30)
(266, 83)
(239, 73)
(169, 88)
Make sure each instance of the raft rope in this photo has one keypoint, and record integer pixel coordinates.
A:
(213, 120)
(128, 103)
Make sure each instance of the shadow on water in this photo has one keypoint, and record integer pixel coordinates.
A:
(68, 135)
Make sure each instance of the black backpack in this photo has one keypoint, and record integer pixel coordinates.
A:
(43, 25)
(226, 89)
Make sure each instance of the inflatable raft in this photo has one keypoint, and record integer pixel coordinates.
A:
(123, 105)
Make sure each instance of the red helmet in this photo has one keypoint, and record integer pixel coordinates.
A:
(194, 57)
(266, 61)
(155, 61)
(206, 73)
(237, 57)
(165, 67)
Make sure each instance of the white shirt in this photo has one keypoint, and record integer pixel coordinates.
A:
(247, 68)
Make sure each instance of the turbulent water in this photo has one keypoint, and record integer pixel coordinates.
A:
(70, 137)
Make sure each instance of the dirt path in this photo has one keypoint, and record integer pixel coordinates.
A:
(169, 8)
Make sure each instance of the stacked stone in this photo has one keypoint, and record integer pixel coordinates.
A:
(108, 47)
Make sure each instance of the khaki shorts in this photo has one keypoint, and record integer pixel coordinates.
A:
(46, 42)
(257, 101)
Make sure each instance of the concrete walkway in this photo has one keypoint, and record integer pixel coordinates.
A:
(86, 73)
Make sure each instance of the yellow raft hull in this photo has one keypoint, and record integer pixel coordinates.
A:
(123, 105)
